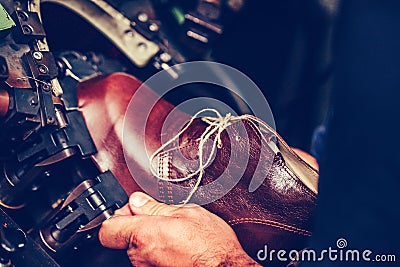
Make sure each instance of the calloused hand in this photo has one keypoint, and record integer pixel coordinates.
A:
(156, 234)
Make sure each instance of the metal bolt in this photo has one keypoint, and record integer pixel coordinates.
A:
(27, 29)
(142, 47)
(23, 16)
(142, 17)
(43, 69)
(153, 27)
(129, 33)
(50, 120)
(37, 55)
(165, 57)
(46, 87)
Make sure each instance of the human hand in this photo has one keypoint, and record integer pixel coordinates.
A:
(156, 234)
(306, 157)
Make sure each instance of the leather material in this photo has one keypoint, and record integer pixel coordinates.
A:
(278, 213)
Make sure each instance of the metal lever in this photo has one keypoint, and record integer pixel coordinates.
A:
(87, 206)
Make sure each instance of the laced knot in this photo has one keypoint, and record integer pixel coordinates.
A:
(220, 123)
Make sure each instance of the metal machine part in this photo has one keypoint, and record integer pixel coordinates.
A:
(156, 33)
(157, 22)
(86, 207)
(18, 249)
(49, 183)
(116, 26)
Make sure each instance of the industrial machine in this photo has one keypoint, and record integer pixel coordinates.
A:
(53, 193)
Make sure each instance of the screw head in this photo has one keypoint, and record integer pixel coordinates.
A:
(37, 55)
(153, 27)
(22, 16)
(27, 29)
(46, 87)
(142, 47)
(142, 17)
(50, 120)
(43, 69)
(129, 33)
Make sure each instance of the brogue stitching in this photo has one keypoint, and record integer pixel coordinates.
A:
(160, 183)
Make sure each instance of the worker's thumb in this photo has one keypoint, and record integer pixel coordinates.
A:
(142, 204)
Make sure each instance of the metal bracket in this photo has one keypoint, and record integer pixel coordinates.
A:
(87, 206)
(115, 26)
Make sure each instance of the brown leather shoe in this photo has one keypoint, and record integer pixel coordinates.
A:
(278, 211)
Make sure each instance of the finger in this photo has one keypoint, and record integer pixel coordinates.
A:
(124, 232)
(306, 157)
(142, 204)
(117, 232)
(125, 210)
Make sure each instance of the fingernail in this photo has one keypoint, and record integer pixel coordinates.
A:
(138, 201)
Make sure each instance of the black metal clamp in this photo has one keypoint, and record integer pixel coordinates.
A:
(86, 207)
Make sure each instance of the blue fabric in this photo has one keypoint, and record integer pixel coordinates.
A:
(360, 177)
(318, 142)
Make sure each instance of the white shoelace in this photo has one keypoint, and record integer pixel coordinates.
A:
(216, 125)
